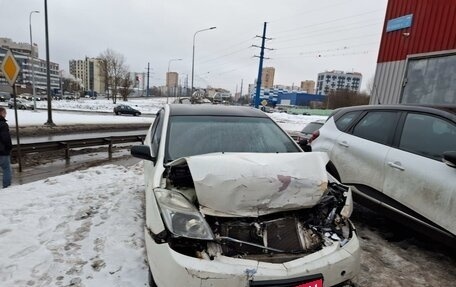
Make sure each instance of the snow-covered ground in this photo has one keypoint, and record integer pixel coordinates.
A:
(79, 229)
(146, 106)
(292, 123)
(85, 229)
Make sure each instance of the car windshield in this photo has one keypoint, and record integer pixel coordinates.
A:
(310, 128)
(194, 135)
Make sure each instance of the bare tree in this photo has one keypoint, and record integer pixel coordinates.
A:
(114, 69)
(346, 98)
(125, 86)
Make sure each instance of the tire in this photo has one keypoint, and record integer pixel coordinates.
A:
(23, 108)
(151, 280)
(117, 113)
(136, 114)
(331, 169)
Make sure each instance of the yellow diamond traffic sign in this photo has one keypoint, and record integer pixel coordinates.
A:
(10, 68)
(264, 102)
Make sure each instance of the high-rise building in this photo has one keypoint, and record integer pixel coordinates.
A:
(308, 86)
(23, 48)
(21, 52)
(90, 73)
(267, 78)
(330, 81)
(172, 79)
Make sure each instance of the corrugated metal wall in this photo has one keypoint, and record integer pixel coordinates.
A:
(388, 82)
(433, 29)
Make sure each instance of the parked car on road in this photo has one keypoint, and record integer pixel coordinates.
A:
(229, 202)
(124, 109)
(21, 104)
(400, 159)
(4, 96)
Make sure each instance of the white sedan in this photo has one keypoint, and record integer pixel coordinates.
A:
(231, 200)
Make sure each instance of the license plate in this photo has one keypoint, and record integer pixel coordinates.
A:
(315, 283)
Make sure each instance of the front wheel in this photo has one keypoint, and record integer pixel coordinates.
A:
(136, 114)
(151, 280)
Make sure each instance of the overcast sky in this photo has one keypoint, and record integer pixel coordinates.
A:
(308, 36)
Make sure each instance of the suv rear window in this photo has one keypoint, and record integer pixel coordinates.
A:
(377, 126)
(344, 121)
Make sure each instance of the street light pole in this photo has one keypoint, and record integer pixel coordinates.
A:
(48, 69)
(32, 60)
(193, 55)
(167, 75)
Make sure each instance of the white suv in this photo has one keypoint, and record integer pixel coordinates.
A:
(399, 158)
(231, 200)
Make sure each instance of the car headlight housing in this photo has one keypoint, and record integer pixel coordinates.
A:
(181, 217)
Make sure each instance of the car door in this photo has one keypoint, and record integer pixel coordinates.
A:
(359, 154)
(152, 172)
(415, 175)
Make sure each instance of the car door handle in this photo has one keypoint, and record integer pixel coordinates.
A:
(344, 144)
(396, 165)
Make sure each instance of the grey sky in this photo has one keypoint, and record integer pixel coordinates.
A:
(309, 36)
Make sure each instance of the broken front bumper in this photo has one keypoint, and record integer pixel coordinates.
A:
(170, 268)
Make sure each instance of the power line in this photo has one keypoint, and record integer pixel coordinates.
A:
(332, 41)
(331, 29)
(320, 51)
(331, 21)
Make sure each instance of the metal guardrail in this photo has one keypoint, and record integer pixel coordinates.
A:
(67, 145)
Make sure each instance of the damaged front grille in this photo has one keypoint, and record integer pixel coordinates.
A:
(290, 234)
(278, 237)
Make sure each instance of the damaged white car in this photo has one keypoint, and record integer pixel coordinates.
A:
(231, 200)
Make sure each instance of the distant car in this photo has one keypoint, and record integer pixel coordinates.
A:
(4, 96)
(309, 129)
(124, 109)
(25, 96)
(401, 160)
(21, 104)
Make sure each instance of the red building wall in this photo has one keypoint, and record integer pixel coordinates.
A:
(433, 29)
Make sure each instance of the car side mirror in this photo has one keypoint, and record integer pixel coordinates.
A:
(449, 157)
(143, 152)
(304, 144)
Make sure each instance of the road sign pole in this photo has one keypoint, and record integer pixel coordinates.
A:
(18, 146)
(11, 69)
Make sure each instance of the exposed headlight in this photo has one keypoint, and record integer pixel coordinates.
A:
(181, 217)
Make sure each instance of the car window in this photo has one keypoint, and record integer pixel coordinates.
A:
(157, 134)
(377, 126)
(310, 128)
(344, 121)
(193, 135)
(427, 135)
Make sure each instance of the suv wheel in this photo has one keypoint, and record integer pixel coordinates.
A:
(117, 113)
(136, 114)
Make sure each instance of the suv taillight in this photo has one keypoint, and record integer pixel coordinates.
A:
(315, 135)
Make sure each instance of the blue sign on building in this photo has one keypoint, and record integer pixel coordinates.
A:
(399, 23)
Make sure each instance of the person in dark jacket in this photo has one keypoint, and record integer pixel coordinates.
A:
(5, 149)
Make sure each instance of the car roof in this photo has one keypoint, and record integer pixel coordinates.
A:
(215, 110)
(443, 110)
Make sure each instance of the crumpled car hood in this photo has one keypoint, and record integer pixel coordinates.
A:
(255, 184)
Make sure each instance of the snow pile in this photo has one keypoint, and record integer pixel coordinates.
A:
(79, 229)
(31, 118)
(145, 106)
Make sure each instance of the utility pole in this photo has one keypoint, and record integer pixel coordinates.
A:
(48, 70)
(260, 68)
(240, 93)
(148, 72)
